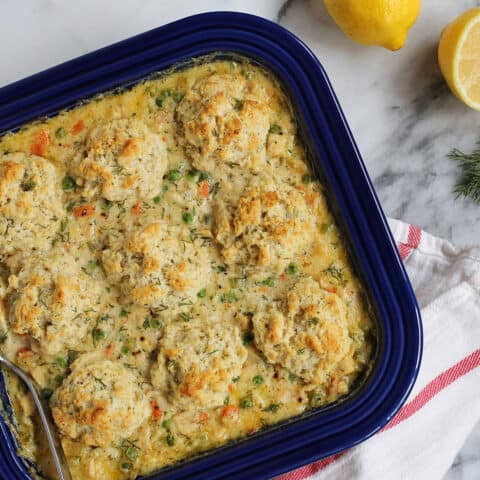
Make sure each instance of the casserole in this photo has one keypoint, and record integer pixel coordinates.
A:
(398, 319)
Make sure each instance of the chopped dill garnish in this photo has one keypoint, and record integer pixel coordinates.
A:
(100, 382)
(186, 317)
(336, 273)
(469, 183)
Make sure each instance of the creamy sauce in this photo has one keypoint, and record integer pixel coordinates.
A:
(170, 272)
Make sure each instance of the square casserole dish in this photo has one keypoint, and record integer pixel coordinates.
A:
(335, 159)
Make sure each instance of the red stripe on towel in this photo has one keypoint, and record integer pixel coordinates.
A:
(432, 389)
(414, 236)
(413, 241)
(404, 250)
(435, 386)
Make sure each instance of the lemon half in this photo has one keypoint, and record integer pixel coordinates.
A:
(459, 57)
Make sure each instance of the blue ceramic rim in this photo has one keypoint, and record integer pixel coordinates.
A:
(335, 154)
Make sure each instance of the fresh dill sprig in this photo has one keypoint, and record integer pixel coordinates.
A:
(469, 183)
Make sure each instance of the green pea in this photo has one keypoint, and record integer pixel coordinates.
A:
(98, 335)
(292, 269)
(68, 183)
(246, 402)
(174, 175)
(272, 408)
(60, 362)
(188, 217)
(131, 453)
(160, 100)
(155, 322)
(270, 282)
(317, 399)
(202, 293)
(60, 132)
(192, 174)
(91, 266)
(170, 439)
(257, 380)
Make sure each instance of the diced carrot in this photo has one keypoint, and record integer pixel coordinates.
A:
(82, 211)
(203, 189)
(231, 388)
(137, 209)
(264, 289)
(283, 276)
(130, 148)
(156, 412)
(310, 198)
(78, 127)
(97, 413)
(333, 385)
(203, 417)
(230, 411)
(330, 289)
(109, 350)
(66, 246)
(40, 143)
(24, 352)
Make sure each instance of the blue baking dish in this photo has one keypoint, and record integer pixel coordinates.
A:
(334, 157)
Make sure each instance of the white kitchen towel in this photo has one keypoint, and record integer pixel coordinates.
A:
(423, 438)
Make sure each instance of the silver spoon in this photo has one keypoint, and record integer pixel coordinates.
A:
(46, 417)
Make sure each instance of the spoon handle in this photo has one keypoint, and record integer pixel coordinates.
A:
(51, 432)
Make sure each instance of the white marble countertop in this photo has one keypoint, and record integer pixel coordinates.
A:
(401, 113)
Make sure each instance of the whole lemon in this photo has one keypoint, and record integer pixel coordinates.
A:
(375, 22)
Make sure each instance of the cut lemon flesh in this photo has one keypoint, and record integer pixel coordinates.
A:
(459, 57)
